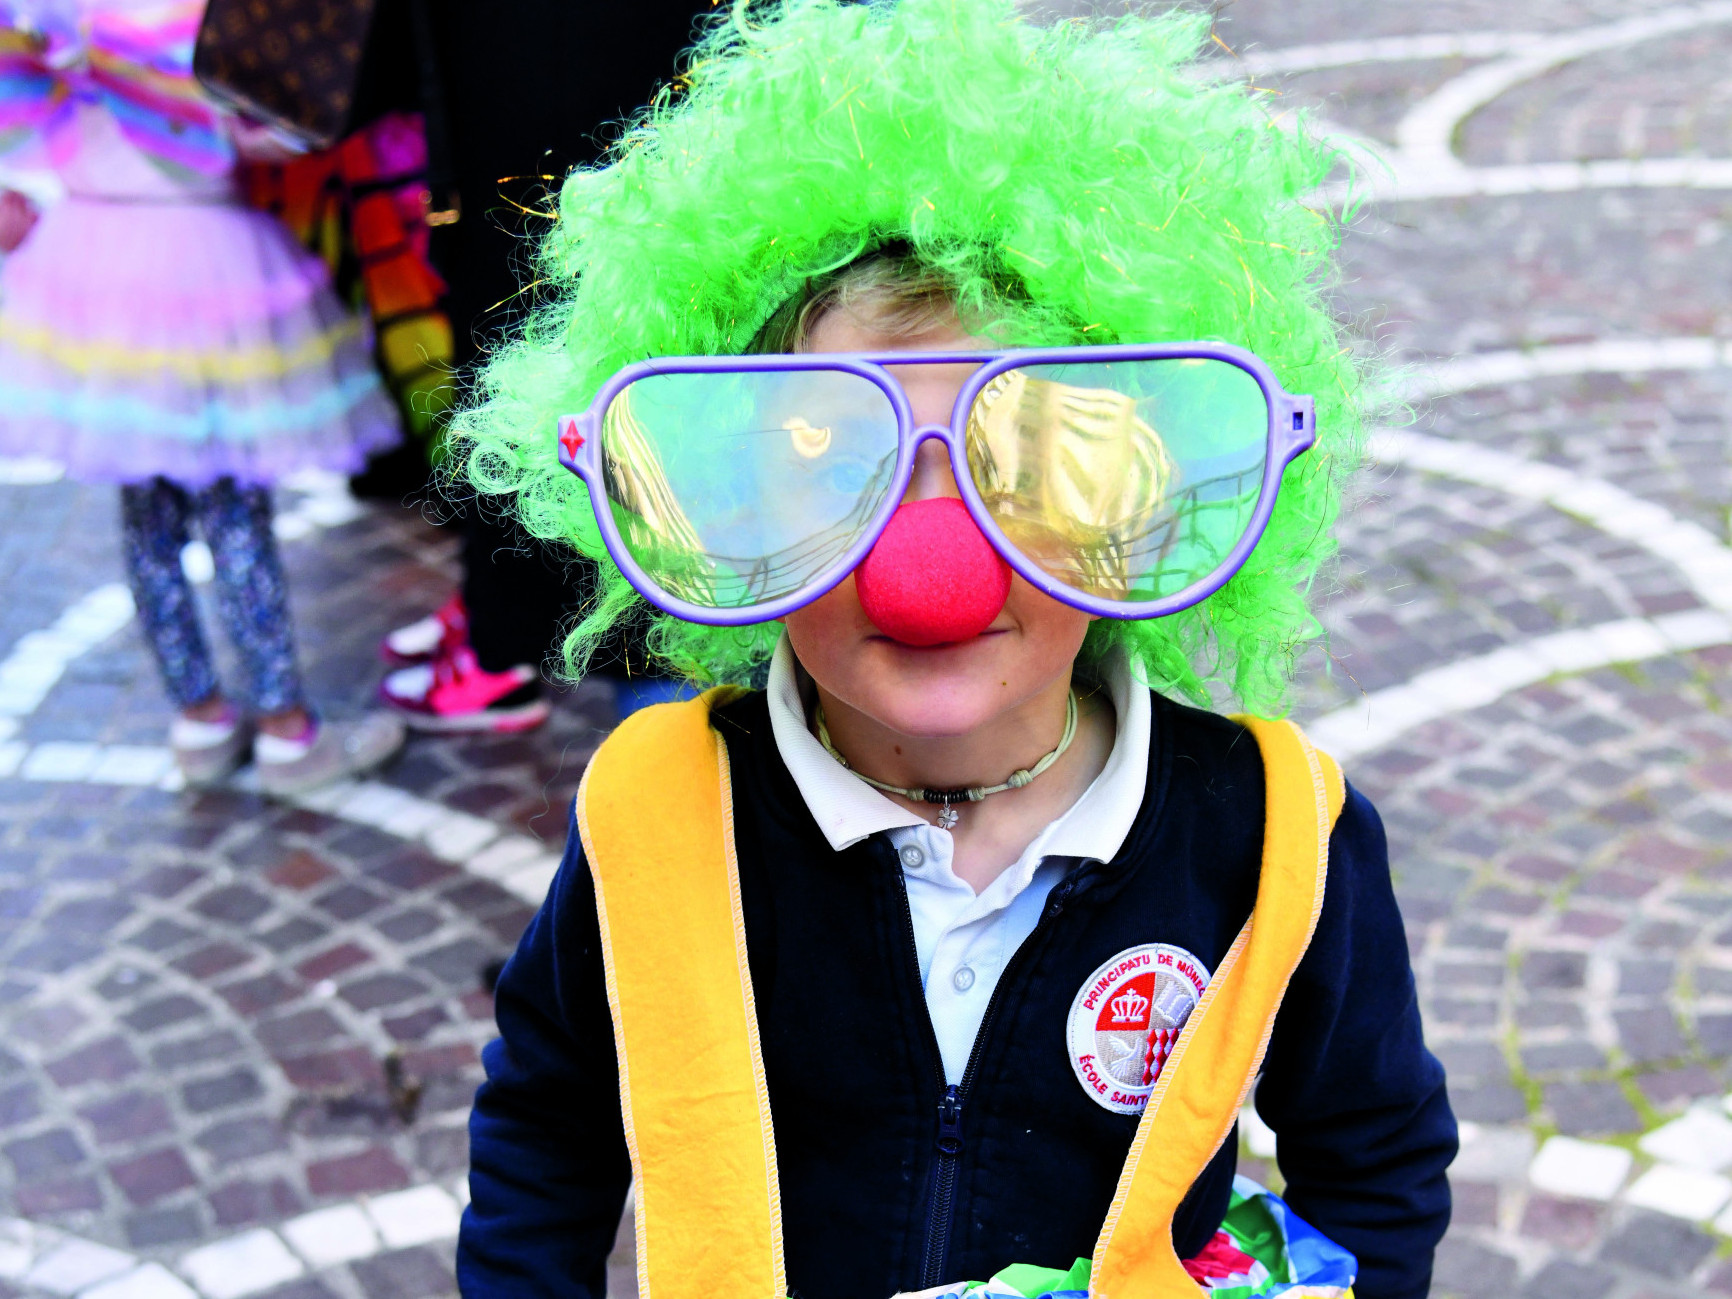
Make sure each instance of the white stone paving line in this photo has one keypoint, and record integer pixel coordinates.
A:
(1687, 1177)
(1381, 49)
(1582, 1170)
(1383, 716)
(1423, 163)
(38, 660)
(515, 862)
(1379, 717)
(46, 1260)
(324, 502)
(1690, 548)
(1431, 379)
(1426, 135)
(1408, 184)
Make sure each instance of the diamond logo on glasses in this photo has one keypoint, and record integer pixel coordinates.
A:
(570, 440)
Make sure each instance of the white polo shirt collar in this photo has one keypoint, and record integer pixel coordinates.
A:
(848, 810)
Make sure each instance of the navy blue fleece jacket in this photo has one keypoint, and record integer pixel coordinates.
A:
(872, 1206)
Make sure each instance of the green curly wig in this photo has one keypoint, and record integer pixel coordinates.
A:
(1072, 184)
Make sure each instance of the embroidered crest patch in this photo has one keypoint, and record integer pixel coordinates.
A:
(1126, 1020)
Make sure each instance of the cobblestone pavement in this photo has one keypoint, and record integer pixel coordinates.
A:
(221, 1012)
(237, 1038)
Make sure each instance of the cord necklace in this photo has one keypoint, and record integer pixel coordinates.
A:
(948, 815)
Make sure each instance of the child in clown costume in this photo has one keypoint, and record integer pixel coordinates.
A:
(956, 397)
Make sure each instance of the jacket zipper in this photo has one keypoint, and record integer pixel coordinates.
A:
(949, 1139)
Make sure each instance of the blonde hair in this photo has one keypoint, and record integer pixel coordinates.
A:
(890, 290)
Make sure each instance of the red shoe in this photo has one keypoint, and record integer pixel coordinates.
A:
(454, 693)
(422, 640)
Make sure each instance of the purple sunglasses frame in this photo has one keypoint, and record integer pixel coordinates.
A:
(1292, 431)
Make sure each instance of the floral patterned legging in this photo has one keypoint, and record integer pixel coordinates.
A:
(252, 597)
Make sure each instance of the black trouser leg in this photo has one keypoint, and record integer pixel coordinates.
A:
(518, 590)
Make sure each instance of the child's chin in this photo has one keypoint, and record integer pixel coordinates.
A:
(940, 690)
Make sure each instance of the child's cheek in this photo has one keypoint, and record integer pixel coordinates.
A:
(830, 631)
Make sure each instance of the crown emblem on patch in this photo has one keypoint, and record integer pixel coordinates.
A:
(1127, 1020)
(1129, 1007)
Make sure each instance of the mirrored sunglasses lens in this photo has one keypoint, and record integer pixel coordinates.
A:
(1125, 480)
(734, 490)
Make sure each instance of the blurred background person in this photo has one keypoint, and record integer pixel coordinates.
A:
(514, 94)
(157, 334)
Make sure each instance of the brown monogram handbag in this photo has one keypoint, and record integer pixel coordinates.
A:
(294, 64)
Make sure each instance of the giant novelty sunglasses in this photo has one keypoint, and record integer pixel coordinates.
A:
(1127, 481)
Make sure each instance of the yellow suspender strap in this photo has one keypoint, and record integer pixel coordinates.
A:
(1206, 1079)
(655, 813)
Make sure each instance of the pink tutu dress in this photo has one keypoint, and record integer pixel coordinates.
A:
(151, 325)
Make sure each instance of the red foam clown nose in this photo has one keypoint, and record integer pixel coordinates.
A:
(932, 579)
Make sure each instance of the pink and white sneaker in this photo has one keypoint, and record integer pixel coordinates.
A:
(422, 640)
(454, 693)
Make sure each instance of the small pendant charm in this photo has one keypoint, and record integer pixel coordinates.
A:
(948, 817)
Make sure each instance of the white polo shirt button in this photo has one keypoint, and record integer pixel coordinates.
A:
(963, 978)
(911, 856)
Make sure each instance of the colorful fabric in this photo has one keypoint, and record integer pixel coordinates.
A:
(1265, 1249)
(157, 520)
(1262, 1251)
(361, 207)
(31, 95)
(195, 341)
(138, 65)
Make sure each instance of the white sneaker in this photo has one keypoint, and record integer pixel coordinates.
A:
(207, 753)
(425, 637)
(332, 752)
